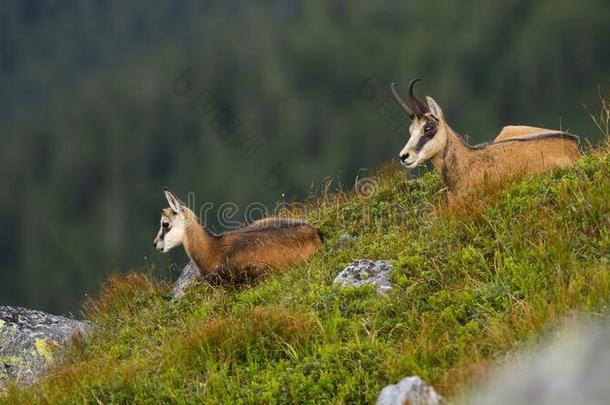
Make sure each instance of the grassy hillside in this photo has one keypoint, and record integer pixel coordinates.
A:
(96, 115)
(472, 286)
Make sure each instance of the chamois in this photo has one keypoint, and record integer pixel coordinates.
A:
(249, 252)
(518, 150)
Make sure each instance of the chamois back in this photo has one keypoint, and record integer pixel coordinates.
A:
(271, 243)
(512, 131)
(517, 157)
(545, 135)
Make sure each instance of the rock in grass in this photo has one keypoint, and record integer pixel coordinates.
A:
(27, 339)
(345, 239)
(367, 272)
(412, 391)
(189, 276)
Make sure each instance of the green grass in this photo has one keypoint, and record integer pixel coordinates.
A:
(471, 288)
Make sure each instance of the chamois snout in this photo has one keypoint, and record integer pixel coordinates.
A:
(408, 157)
(156, 244)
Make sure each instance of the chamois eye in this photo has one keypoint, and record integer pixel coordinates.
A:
(428, 128)
(165, 225)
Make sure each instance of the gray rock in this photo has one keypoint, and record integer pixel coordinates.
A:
(345, 239)
(189, 276)
(367, 272)
(574, 369)
(27, 340)
(411, 391)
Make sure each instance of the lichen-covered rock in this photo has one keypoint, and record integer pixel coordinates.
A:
(189, 276)
(409, 391)
(367, 272)
(27, 339)
(345, 239)
(572, 370)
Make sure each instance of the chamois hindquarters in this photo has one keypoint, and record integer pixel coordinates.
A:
(521, 157)
(266, 245)
(273, 243)
(549, 149)
(287, 223)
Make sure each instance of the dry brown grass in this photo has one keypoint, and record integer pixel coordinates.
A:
(118, 291)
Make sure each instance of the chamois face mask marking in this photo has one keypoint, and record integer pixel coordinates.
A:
(171, 232)
(426, 140)
(173, 225)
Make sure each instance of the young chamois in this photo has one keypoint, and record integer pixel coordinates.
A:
(249, 252)
(518, 150)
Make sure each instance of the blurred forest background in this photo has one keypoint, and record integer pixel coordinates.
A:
(105, 102)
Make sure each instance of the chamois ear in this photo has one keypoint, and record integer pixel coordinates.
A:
(435, 109)
(174, 202)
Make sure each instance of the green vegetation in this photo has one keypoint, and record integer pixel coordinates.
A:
(470, 289)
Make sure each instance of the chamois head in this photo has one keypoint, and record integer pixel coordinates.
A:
(173, 223)
(428, 129)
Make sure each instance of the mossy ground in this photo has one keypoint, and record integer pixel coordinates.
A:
(472, 286)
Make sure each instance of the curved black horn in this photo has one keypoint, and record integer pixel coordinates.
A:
(404, 105)
(418, 107)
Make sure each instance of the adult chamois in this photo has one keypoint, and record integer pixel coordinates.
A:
(234, 256)
(518, 150)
